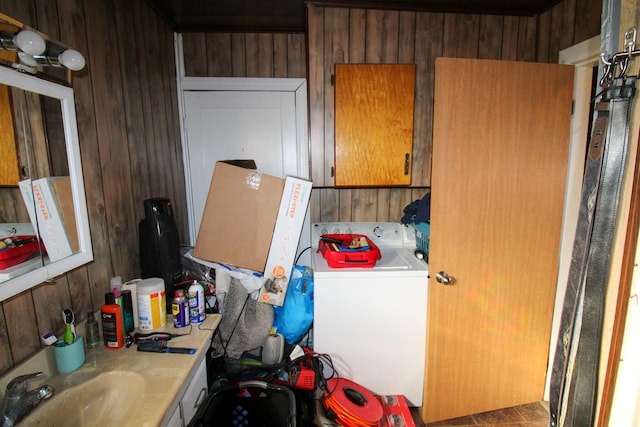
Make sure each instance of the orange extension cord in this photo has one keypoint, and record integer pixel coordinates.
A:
(347, 413)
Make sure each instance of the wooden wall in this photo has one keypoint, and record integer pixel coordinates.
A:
(348, 35)
(244, 55)
(340, 35)
(128, 127)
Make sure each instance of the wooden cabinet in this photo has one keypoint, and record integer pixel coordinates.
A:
(374, 105)
(9, 171)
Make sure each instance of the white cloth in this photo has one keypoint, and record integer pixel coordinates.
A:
(251, 280)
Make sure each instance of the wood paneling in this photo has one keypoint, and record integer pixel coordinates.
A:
(355, 35)
(128, 128)
(282, 16)
(338, 35)
(244, 55)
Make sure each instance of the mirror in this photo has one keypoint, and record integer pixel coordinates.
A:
(38, 127)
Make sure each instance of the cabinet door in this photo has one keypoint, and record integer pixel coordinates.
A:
(195, 394)
(175, 420)
(374, 106)
(9, 172)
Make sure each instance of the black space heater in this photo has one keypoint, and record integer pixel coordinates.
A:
(160, 245)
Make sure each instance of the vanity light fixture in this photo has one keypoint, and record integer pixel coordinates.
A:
(70, 58)
(26, 41)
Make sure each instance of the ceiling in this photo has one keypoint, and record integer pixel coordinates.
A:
(289, 15)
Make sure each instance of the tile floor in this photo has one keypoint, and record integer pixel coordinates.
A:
(531, 415)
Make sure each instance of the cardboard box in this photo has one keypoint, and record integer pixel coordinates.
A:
(62, 187)
(239, 217)
(49, 205)
(286, 236)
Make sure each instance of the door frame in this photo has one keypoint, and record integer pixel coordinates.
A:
(615, 392)
(584, 56)
(297, 86)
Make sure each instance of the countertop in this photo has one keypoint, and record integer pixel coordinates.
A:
(165, 375)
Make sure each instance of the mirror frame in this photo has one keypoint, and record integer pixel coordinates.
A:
(48, 271)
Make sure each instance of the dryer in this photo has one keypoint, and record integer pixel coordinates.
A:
(372, 321)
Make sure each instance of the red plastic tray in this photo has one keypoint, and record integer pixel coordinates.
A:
(342, 255)
(13, 256)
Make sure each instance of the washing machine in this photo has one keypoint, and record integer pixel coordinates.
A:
(372, 321)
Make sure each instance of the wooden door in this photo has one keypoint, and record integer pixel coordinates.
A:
(374, 124)
(500, 147)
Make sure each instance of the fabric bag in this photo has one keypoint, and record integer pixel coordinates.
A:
(293, 319)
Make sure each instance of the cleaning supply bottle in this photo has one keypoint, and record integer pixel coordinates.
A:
(115, 282)
(92, 332)
(180, 310)
(109, 298)
(127, 305)
(152, 308)
(131, 286)
(117, 298)
(112, 330)
(196, 303)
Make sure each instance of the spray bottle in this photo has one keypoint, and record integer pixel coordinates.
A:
(196, 303)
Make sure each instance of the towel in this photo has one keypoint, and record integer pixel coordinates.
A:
(245, 323)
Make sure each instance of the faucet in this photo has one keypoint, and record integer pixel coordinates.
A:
(18, 402)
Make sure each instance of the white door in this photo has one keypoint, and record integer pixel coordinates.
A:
(260, 119)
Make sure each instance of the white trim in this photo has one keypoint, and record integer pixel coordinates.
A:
(625, 406)
(84, 255)
(243, 83)
(298, 86)
(180, 72)
(584, 56)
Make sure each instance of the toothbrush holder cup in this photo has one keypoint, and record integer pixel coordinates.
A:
(69, 357)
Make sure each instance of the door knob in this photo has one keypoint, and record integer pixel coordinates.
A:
(444, 278)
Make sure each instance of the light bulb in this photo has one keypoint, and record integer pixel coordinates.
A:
(27, 59)
(72, 59)
(29, 42)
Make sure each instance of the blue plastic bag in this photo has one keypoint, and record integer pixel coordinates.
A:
(294, 318)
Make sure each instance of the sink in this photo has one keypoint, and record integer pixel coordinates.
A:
(107, 399)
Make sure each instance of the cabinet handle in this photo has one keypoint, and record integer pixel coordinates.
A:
(407, 158)
(201, 396)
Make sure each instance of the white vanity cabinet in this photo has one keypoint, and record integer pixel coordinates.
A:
(194, 395)
(173, 385)
(176, 419)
